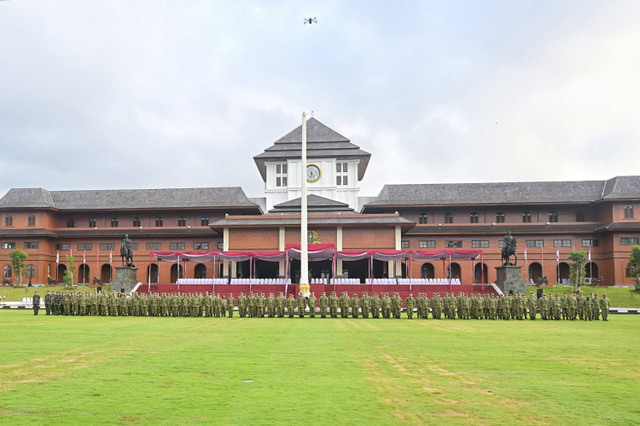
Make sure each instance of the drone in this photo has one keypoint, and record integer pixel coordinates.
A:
(310, 21)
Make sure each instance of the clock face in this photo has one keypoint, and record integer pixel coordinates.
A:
(313, 173)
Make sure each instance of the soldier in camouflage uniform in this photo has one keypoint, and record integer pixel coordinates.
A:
(281, 302)
(532, 304)
(242, 305)
(271, 306)
(409, 303)
(386, 306)
(344, 304)
(595, 307)
(301, 303)
(334, 302)
(354, 304)
(604, 307)
(313, 304)
(376, 304)
(291, 306)
(323, 301)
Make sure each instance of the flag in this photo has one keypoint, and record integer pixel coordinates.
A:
(57, 257)
(589, 253)
(525, 253)
(110, 257)
(558, 255)
(84, 256)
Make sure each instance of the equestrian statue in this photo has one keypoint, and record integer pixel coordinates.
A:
(509, 249)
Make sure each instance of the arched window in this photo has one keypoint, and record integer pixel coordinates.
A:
(500, 217)
(92, 222)
(31, 271)
(473, 217)
(31, 219)
(628, 212)
(136, 222)
(579, 216)
(526, 217)
(182, 221)
(8, 220)
(159, 221)
(422, 218)
(553, 216)
(629, 271)
(6, 271)
(448, 217)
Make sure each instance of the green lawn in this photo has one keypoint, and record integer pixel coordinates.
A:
(16, 294)
(74, 370)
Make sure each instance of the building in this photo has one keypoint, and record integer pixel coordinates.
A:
(549, 218)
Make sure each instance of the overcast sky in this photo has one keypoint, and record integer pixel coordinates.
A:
(108, 94)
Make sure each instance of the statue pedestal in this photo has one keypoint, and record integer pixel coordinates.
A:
(510, 281)
(126, 279)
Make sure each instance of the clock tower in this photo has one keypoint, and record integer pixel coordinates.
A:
(334, 168)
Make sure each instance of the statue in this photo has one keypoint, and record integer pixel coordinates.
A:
(125, 251)
(509, 249)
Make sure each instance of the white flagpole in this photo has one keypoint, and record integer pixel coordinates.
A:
(304, 257)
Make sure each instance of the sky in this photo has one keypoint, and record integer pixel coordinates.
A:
(111, 94)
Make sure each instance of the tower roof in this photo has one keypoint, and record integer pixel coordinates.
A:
(322, 142)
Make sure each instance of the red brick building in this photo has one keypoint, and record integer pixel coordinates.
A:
(549, 218)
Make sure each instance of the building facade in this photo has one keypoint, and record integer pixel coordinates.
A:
(550, 219)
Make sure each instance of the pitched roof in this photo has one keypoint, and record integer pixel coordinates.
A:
(127, 199)
(315, 204)
(322, 142)
(506, 193)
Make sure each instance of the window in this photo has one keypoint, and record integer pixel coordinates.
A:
(404, 244)
(204, 221)
(114, 222)
(159, 221)
(176, 246)
(501, 243)
(479, 243)
(553, 216)
(201, 246)
(535, 243)
(590, 243)
(628, 211)
(31, 271)
(473, 217)
(85, 246)
(70, 223)
(6, 271)
(341, 174)
(31, 244)
(220, 245)
(562, 243)
(107, 246)
(579, 216)
(9, 245)
(448, 218)
(422, 218)
(427, 244)
(62, 247)
(31, 219)
(8, 220)
(526, 217)
(92, 222)
(134, 246)
(499, 217)
(453, 244)
(154, 246)
(281, 174)
(182, 221)
(629, 271)
(137, 222)
(629, 241)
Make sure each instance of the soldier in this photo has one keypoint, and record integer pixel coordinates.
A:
(409, 303)
(291, 306)
(557, 305)
(354, 303)
(344, 304)
(113, 305)
(396, 305)
(223, 306)
(604, 307)
(531, 306)
(386, 306)
(47, 302)
(281, 302)
(301, 302)
(333, 304)
(251, 304)
(242, 305)
(595, 307)
(231, 302)
(436, 306)
(36, 303)
(261, 303)
(573, 304)
(581, 303)
(365, 303)
(313, 303)
(324, 303)
(271, 306)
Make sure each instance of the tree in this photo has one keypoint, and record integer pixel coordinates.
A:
(17, 263)
(634, 265)
(68, 274)
(578, 259)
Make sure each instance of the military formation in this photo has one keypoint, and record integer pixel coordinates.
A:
(257, 305)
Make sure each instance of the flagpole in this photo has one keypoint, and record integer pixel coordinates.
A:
(304, 256)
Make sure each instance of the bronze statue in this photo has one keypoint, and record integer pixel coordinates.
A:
(125, 251)
(509, 249)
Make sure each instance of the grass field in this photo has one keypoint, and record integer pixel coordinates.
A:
(73, 370)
